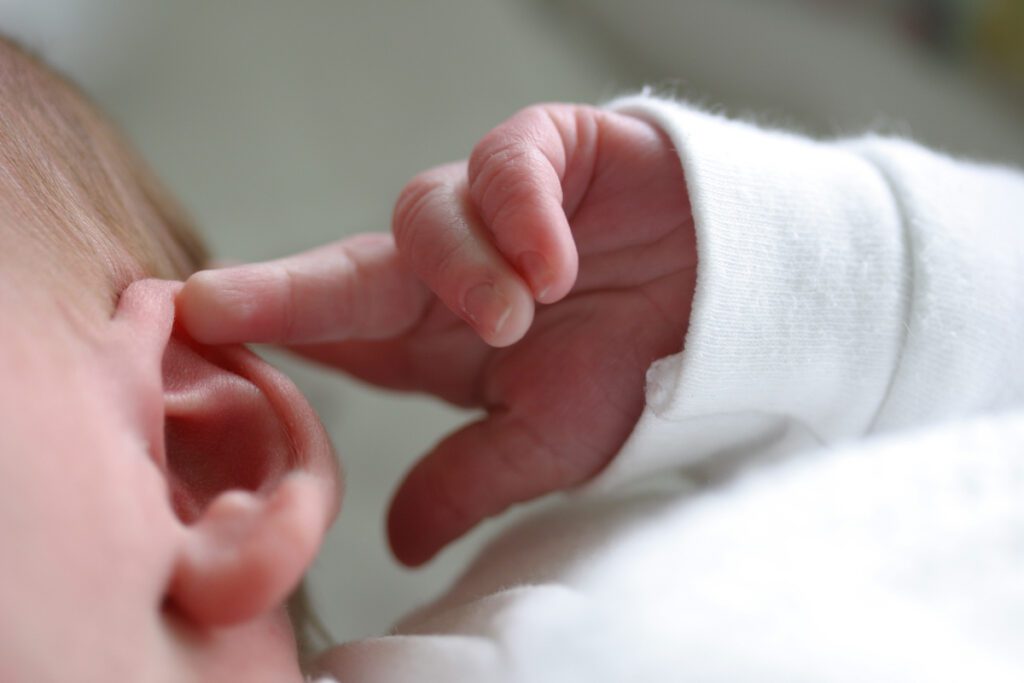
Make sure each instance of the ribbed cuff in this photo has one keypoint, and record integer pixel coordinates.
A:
(798, 314)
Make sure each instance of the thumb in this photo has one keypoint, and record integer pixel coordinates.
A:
(352, 289)
(474, 473)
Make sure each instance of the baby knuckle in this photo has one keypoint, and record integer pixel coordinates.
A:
(415, 200)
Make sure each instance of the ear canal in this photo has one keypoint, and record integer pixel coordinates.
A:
(221, 431)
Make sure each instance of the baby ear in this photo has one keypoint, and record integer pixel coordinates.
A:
(250, 470)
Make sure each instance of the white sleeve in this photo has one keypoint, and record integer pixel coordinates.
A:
(843, 288)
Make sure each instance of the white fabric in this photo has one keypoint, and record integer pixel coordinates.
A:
(841, 289)
(859, 311)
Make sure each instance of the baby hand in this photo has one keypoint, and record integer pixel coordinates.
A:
(578, 209)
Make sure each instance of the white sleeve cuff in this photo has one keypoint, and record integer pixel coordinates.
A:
(798, 315)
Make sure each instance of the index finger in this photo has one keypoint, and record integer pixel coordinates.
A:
(353, 289)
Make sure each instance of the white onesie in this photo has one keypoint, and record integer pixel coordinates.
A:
(826, 484)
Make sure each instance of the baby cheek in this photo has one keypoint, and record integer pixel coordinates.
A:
(86, 530)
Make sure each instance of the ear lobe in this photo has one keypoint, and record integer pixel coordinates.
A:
(247, 552)
(250, 470)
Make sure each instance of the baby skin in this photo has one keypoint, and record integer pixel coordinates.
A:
(537, 281)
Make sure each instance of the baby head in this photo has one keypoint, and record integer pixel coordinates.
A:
(159, 499)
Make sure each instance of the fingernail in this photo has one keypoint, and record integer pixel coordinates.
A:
(535, 268)
(486, 308)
